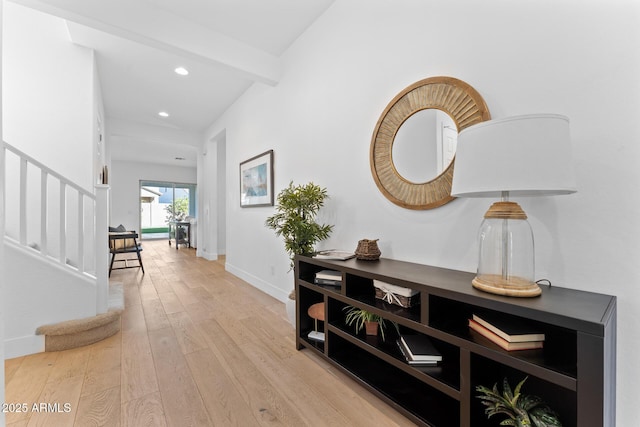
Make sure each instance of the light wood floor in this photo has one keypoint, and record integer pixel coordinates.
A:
(198, 347)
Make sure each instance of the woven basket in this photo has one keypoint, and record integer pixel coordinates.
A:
(367, 250)
(398, 295)
(399, 300)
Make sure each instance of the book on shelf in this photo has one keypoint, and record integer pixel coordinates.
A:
(419, 348)
(327, 282)
(334, 254)
(410, 361)
(509, 328)
(328, 277)
(509, 346)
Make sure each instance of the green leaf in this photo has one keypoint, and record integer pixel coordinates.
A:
(543, 416)
(294, 220)
(528, 402)
(177, 210)
(519, 386)
(506, 390)
(521, 410)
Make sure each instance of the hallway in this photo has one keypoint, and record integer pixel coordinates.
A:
(198, 347)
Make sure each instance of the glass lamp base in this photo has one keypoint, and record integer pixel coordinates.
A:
(512, 287)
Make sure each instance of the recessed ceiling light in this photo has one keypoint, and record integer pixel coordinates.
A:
(182, 71)
(163, 114)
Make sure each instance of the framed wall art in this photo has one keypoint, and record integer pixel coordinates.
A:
(256, 181)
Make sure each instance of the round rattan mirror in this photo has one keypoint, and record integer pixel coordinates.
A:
(456, 98)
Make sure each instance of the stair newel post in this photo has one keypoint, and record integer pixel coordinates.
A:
(102, 247)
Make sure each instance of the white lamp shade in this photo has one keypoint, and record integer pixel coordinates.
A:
(525, 155)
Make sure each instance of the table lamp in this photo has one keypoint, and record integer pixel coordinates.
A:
(517, 156)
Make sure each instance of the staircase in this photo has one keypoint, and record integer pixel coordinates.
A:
(56, 260)
(79, 332)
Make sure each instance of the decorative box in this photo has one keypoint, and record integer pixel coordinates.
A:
(398, 295)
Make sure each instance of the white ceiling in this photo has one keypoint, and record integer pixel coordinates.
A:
(268, 25)
(226, 45)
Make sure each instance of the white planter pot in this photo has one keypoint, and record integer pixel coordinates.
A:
(290, 305)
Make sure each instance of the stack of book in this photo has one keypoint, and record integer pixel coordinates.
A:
(328, 278)
(508, 333)
(419, 350)
(335, 254)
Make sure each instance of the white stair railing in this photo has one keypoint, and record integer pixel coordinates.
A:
(57, 219)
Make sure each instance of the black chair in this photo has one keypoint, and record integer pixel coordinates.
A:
(124, 242)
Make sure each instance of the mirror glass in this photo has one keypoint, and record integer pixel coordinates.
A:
(424, 145)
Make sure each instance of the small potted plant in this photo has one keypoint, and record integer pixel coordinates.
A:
(360, 318)
(295, 220)
(522, 410)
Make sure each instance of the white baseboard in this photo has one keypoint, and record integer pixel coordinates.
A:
(209, 256)
(258, 283)
(23, 346)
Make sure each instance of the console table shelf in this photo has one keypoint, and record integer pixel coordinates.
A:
(574, 372)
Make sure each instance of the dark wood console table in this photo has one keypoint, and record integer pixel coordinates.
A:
(574, 372)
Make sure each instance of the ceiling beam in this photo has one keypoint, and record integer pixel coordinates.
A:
(159, 29)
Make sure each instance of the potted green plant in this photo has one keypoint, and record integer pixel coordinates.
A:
(360, 318)
(521, 409)
(295, 220)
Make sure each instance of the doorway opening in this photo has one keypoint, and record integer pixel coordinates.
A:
(162, 202)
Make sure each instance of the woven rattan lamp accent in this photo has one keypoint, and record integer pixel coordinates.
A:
(516, 156)
(456, 98)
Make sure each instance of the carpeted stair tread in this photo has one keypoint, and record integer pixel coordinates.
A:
(79, 325)
(80, 332)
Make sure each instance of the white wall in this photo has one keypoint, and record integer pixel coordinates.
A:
(51, 96)
(101, 155)
(48, 93)
(2, 261)
(131, 141)
(577, 58)
(125, 187)
(221, 146)
(207, 198)
(212, 197)
(60, 296)
(51, 99)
